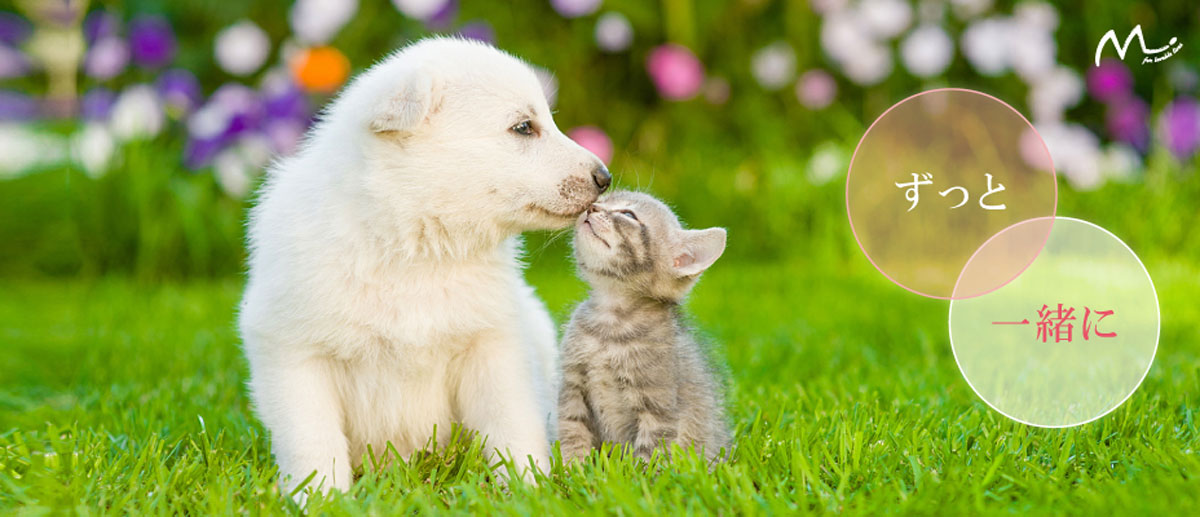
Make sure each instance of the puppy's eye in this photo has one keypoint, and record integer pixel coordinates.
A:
(525, 128)
(628, 213)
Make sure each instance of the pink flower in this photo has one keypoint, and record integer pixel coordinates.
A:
(676, 71)
(593, 139)
(1111, 81)
(816, 89)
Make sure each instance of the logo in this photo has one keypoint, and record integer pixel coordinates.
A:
(1152, 55)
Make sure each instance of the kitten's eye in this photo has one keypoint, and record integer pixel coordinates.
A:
(628, 213)
(525, 128)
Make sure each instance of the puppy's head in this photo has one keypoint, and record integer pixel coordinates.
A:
(467, 130)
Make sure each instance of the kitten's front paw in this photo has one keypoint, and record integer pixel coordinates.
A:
(574, 454)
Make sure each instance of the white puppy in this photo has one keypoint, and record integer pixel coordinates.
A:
(385, 295)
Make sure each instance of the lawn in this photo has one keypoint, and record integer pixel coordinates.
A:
(125, 397)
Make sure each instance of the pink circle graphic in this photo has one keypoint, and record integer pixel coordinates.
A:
(937, 175)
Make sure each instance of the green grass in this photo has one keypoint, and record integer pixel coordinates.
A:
(119, 397)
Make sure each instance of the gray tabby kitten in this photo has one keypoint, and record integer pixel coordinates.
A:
(632, 374)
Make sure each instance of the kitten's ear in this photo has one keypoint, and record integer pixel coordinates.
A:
(408, 104)
(698, 250)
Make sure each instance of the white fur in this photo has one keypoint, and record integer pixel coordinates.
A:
(385, 294)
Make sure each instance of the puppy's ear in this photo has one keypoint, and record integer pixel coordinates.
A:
(407, 105)
(698, 250)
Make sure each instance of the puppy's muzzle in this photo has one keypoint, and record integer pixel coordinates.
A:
(601, 177)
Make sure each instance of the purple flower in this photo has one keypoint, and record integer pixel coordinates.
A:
(151, 41)
(575, 8)
(106, 59)
(17, 106)
(1110, 81)
(180, 91)
(816, 89)
(13, 29)
(199, 152)
(1179, 127)
(444, 17)
(283, 99)
(98, 25)
(676, 71)
(13, 63)
(1127, 121)
(97, 104)
(478, 30)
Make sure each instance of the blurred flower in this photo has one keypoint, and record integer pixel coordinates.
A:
(444, 17)
(967, 9)
(96, 105)
(1127, 121)
(595, 140)
(1179, 127)
(1076, 153)
(180, 91)
(22, 149)
(151, 42)
(613, 32)
(13, 63)
(242, 48)
(927, 51)
(232, 111)
(98, 25)
(106, 59)
(816, 89)
(716, 90)
(1110, 81)
(1053, 93)
(931, 11)
(885, 19)
(478, 30)
(284, 135)
(774, 65)
(233, 173)
(984, 44)
(675, 71)
(871, 65)
(315, 22)
(843, 35)
(13, 29)
(1120, 162)
(240, 106)
(17, 106)
(824, 7)
(1031, 50)
(1182, 77)
(320, 69)
(575, 8)
(828, 161)
(93, 148)
(1037, 14)
(137, 113)
(420, 9)
(282, 98)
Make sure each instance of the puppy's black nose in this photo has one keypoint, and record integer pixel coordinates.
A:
(602, 178)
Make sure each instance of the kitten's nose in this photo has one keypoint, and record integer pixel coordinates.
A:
(601, 177)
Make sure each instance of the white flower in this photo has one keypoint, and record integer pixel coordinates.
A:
(967, 9)
(316, 21)
(1120, 162)
(242, 48)
(93, 149)
(22, 149)
(843, 34)
(825, 7)
(931, 11)
(886, 19)
(1076, 153)
(927, 51)
(985, 43)
(233, 173)
(1053, 93)
(869, 66)
(613, 32)
(774, 65)
(137, 113)
(1037, 14)
(828, 161)
(1031, 50)
(420, 9)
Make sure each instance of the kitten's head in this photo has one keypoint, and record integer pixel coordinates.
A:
(631, 243)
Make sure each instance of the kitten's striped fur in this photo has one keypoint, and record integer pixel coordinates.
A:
(633, 374)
